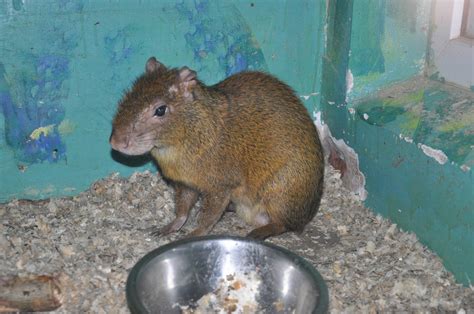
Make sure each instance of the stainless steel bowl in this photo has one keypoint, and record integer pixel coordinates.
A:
(180, 273)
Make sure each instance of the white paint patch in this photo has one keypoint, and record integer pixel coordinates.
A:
(331, 102)
(405, 138)
(349, 81)
(366, 116)
(436, 154)
(465, 168)
(306, 97)
(353, 179)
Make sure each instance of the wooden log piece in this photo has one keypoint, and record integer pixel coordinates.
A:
(29, 293)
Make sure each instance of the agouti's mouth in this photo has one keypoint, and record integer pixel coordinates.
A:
(128, 148)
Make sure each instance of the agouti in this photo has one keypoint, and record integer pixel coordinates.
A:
(247, 141)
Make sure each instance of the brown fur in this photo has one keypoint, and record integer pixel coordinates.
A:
(246, 140)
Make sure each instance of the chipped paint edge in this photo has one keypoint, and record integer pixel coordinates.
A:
(355, 182)
(436, 154)
(306, 97)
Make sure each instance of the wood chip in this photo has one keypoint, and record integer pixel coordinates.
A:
(96, 237)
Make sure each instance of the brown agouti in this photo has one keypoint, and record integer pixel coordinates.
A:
(246, 141)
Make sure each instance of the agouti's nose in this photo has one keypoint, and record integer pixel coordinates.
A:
(117, 142)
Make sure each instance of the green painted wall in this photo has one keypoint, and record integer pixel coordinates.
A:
(413, 136)
(415, 147)
(64, 65)
(427, 112)
(388, 43)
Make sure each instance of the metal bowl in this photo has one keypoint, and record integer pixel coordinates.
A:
(179, 274)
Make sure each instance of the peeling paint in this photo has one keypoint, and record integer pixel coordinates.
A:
(405, 138)
(428, 112)
(398, 123)
(436, 154)
(353, 179)
(465, 168)
(349, 81)
(306, 97)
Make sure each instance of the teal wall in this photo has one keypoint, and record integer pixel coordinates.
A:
(434, 197)
(64, 65)
(375, 98)
(388, 43)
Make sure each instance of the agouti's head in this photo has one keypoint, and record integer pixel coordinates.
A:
(156, 111)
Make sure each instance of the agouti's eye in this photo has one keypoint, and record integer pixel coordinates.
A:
(160, 111)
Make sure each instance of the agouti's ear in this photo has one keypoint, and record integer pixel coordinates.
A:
(153, 65)
(187, 81)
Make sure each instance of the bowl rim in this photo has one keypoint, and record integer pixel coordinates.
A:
(135, 305)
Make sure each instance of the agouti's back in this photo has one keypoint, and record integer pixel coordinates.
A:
(274, 130)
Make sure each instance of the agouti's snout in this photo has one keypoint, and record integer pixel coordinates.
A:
(123, 141)
(118, 143)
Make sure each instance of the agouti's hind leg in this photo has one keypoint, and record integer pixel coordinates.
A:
(269, 230)
(185, 198)
(213, 206)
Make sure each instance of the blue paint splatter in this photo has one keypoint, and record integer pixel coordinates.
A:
(41, 107)
(118, 46)
(32, 98)
(225, 38)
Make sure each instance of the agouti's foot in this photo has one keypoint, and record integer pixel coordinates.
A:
(197, 232)
(271, 229)
(173, 226)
